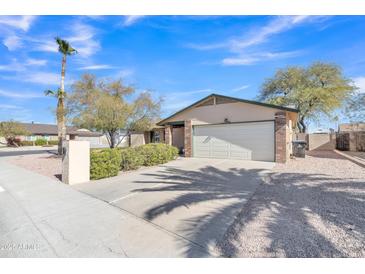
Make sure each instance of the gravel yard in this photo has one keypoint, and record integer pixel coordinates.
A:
(46, 164)
(312, 207)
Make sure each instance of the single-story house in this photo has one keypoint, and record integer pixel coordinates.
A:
(49, 132)
(219, 126)
(351, 137)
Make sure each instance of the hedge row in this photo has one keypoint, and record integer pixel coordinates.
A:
(104, 163)
(39, 142)
(108, 162)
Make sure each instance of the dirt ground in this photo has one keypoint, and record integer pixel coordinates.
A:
(49, 165)
(312, 207)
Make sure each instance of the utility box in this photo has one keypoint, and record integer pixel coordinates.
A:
(299, 148)
(76, 162)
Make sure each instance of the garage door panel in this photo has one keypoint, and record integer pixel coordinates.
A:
(250, 141)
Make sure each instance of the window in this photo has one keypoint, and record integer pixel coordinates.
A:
(30, 138)
(155, 137)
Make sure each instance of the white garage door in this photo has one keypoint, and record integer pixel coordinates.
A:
(248, 141)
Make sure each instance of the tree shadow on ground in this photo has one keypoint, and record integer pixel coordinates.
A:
(304, 215)
(299, 205)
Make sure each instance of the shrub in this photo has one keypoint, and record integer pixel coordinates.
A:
(40, 142)
(155, 154)
(26, 143)
(107, 162)
(104, 163)
(53, 142)
(130, 159)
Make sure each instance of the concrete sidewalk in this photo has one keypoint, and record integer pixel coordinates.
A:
(28, 150)
(40, 217)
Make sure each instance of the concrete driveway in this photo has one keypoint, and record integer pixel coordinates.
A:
(194, 199)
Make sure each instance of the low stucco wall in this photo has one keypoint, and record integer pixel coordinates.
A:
(137, 139)
(351, 141)
(76, 162)
(2, 141)
(324, 141)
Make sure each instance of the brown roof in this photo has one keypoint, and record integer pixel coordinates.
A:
(84, 133)
(47, 129)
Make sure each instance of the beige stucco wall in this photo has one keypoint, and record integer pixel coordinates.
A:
(2, 141)
(137, 139)
(76, 162)
(321, 141)
(234, 112)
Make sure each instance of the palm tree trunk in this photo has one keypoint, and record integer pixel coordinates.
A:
(60, 109)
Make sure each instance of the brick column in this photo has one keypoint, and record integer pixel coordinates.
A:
(188, 130)
(168, 134)
(280, 137)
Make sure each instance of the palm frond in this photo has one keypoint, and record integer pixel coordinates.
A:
(49, 92)
(65, 47)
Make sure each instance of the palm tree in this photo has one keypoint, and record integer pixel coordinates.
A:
(65, 49)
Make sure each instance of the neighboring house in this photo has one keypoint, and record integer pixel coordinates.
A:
(351, 127)
(224, 127)
(49, 133)
(156, 135)
(351, 137)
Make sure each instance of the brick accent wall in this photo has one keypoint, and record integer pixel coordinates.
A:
(280, 137)
(188, 139)
(168, 134)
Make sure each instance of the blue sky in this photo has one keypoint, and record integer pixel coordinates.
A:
(182, 58)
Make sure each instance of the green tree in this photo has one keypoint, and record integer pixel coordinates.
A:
(316, 90)
(101, 105)
(65, 49)
(10, 130)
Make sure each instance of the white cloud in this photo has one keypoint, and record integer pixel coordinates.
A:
(15, 65)
(261, 34)
(44, 78)
(131, 20)
(17, 113)
(35, 62)
(18, 95)
(96, 67)
(239, 61)
(124, 73)
(191, 92)
(360, 83)
(83, 39)
(39, 77)
(13, 42)
(47, 45)
(244, 46)
(5, 106)
(240, 88)
(18, 22)
(249, 59)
